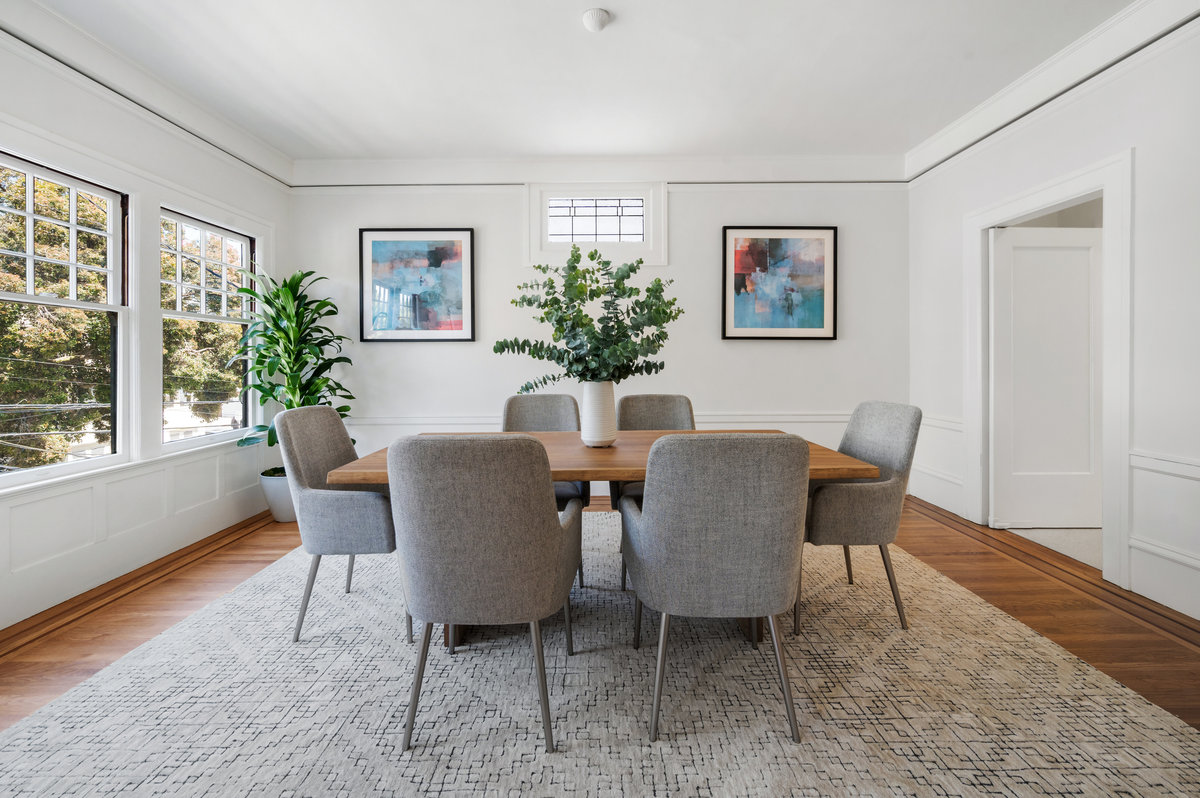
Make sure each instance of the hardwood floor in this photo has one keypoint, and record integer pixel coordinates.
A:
(1149, 648)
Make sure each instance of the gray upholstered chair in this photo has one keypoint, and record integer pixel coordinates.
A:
(718, 534)
(648, 411)
(867, 512)
(481, 541)
(332, 520)
(548, 412)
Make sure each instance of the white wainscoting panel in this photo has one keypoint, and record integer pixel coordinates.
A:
(62, 538)
(134, 501)
(937, 475)
(195, 483)
(49, 526)
(1164, 540)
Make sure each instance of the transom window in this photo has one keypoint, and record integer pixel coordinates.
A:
(60, 296)
(203, 319)
(580, 219)
(625, 221)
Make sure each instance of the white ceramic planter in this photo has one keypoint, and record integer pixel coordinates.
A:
(598, 415)
(279, 498)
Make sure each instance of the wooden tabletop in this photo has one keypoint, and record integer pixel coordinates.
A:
(624, 461)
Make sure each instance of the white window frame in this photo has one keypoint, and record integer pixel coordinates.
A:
(252, 412)
(652, 250)
(115, 289)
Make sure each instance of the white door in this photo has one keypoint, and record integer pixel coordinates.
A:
(1045, 378)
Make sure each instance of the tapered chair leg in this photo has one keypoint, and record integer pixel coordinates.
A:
(413, 697)
(623, 582)
(887, 564)
(450, 636)
(849, 570)
(408, 625)
(535, 633)
(637, 622)
(312, 577)
(567, 622)
(781, 661)
(659, 673)
(581, 574)
(349, 573)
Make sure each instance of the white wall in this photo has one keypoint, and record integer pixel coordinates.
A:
(808, 387)
(1150, 103)
(63, 537)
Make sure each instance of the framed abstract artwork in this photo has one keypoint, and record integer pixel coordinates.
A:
(779, 282)
(417, 284)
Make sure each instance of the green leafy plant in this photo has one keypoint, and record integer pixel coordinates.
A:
(287, 349)
(630, 328)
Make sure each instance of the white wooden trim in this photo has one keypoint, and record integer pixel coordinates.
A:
(948, 423)
(1126, 32)
(1184, 558)
(1171, 465)
(722, 418)
(944, 476)
(1113, 179)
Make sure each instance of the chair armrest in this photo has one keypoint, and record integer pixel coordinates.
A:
(571, 519)
(855, 514)
(345, 522)
(631, 538)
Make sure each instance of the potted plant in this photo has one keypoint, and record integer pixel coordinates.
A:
(289, 353)
(600, 350)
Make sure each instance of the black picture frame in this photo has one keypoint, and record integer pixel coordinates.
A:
(779, 283)
(416, 283)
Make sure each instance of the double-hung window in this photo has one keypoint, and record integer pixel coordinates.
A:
(203, 319)
(61, 303)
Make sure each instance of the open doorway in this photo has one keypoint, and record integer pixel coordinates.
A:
(1045, 356)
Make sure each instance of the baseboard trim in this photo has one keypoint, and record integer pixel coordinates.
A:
(1073, 574)
(33, 628)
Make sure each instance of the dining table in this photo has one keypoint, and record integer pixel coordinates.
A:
(624, 461)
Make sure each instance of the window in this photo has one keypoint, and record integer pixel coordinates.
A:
(625, 221)
(583, 219)
(60, 298)
(203, 319)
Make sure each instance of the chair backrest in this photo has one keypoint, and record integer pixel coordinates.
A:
(723, 515)
(313, 441)
(655, 411)
(477, 528)
(540, 412)
(883, 434)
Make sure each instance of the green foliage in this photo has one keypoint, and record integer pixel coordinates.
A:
(195, 354)
(617, 344)
(49, 357)
(287, 349)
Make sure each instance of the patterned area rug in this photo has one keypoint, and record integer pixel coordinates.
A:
(967, 702)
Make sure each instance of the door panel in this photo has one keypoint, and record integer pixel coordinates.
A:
(1045, 378)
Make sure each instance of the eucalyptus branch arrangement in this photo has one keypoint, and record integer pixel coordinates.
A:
(287, 349)
(630, 329)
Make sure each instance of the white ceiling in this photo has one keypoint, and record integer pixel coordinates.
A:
(483, 79)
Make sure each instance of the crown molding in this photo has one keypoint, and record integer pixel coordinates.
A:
(1121, 35)
(57, 40)
(515, 171)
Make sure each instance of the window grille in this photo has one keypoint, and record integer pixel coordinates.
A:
(204, 317)
(61, 298)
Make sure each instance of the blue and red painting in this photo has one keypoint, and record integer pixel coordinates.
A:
(779, 283)
(417, 285)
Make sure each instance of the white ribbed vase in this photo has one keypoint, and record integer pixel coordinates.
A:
(598, 415)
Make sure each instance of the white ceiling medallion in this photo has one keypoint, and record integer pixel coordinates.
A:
(594, 19)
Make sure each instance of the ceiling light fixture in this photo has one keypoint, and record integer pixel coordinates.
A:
(594, 19)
